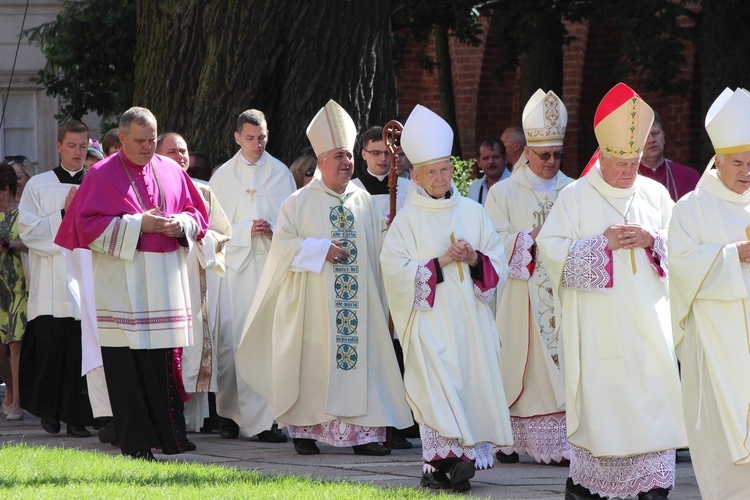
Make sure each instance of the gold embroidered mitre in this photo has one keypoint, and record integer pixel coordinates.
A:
(622, 122)
(544, 119)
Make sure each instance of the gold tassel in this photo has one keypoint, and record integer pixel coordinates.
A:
(458, 263)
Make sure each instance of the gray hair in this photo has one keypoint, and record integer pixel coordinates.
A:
(141, 116)
(517, 135)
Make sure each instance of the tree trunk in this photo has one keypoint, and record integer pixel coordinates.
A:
(445, 83)
(200, 63)
(723, 52)
(542, 63)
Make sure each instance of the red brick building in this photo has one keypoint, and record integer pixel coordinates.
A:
(485, 106)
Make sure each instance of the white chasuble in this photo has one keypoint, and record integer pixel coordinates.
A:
(451, 349)
(316, 344)
(526, 320)
(710, 309)
(621, 380)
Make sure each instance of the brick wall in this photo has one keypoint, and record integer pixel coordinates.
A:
(486, 106)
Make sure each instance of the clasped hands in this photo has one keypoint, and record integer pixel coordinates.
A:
(628, 236)
(154, 223)
(261, 227)
(743, 250)
(460, 251)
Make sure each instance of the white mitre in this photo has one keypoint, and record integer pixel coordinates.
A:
(544, 119)
(331, 128)
(728, 122)
(426, 137)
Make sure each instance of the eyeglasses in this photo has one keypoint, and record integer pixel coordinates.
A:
(310, 172)
(15, 159)
(557, 155)
(375, 152)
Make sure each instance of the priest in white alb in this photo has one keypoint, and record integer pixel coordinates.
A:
(443, 268)
(316, 343)
(527, 324)
(709, 261)
(250, 186)
(604, 247)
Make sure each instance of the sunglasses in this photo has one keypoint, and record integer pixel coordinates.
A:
(15, 159)
(557, 155)
(310, 172)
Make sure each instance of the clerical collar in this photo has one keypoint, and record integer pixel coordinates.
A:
(378, 177)
(67, 177)
(258, 163)
(127, 161)
(446, 196)
(654, 169)
(539, 184)
(72, 173)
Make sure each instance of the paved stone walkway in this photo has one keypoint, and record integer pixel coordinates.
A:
(402, 468)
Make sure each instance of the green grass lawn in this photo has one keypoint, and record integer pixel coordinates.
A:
(40, 473)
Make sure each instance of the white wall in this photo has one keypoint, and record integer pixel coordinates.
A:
(29, 127)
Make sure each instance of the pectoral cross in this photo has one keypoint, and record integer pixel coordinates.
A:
(251, 192)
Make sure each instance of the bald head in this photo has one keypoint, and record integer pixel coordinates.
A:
(173, 146)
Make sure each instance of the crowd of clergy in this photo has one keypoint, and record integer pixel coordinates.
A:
(541, 315)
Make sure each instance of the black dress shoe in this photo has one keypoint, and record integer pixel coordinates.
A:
(107, 431)
(228, 429)
(654, 494)
(411, 432)
(435, 480)
(371, 449)
(190, 446)
(577, 492)
(399, 442)
(274, 435)
(461, 472)
(305, 446)
(506, 459)
(51, 425)
(144, 454)
(78, 431)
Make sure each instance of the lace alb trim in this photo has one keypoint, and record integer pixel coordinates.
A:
(338, 433)
(422, 288)
(484, 296)
(518, 265)
(586, 265)
(660, 249)
(543, 437)
(622, 476)
(436, 447)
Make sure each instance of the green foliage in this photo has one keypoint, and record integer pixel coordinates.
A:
(461, 172)
(415, 20)
(90, 50)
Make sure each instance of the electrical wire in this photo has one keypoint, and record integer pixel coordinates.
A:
(13, 68)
